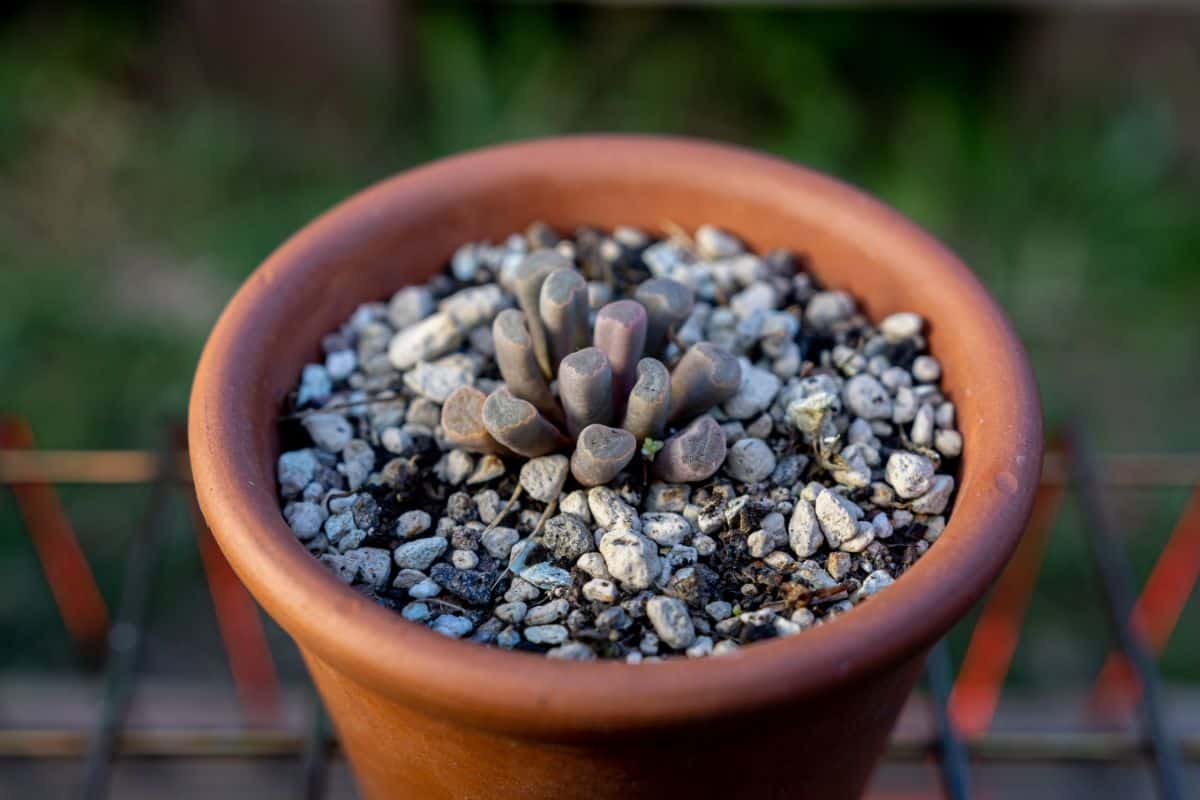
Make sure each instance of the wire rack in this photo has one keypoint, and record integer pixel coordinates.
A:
(962, 705)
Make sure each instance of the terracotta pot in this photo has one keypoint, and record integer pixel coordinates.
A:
(421, 715)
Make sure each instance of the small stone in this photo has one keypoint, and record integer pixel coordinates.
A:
(419, 553)
(546, 576)
(576, 503)
(358, 462)
(872, 584)
(475, 305)
(760, 544)
(567, 537)
(630, 558)
(599, 590)
(948, 442)
(838, 565)
(511, 612)
(305, 519)
(750, 461)
(866, 397)
(415, 612)
(452, 625)
(572, 651)
(409, 306)
(436, 380)
(454, 467)
(937, 498)
(755, 393)
(344, 569)
(508, 638)
(489, 468)
(522, 590)
(804, 531)
(543, 477)
(761, 428)
(921, 432)
(396, 440)
(725, 647)
(838, 517)
(488, 505)
(666, 529)
(910, 474)
(610, 511)
(296, 470)
(464, 559)
(547, 613)
(702, 647)
(498, 542)
(926, 369)
(714, 243)
(593, 564)
(546, 634)
(671, 621)
(719, 610)
(671, 497)
(760, 296)
(315, 386)
(424, 589)
(901, 326)
(330, 432)
(340, 364)
(433, 336)
(826, 309)
(407, 578)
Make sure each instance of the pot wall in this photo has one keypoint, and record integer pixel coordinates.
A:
(421, 715)
(821, 747)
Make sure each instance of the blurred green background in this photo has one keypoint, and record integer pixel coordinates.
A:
(151, 154)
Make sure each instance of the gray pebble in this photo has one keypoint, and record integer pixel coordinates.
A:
(498, 542)
(305, 519)
(866, 397)
(330, 432)
(409, 306)
(826, 309)
(921, 432)
(599, 590)
(755, 393)
(593, 564)
(452, 625)
(804, 531)
(666, 528)
(415, 612)
(901, 326)
(296, 470)
(873, 583)
(508, 638)
(937, 498)
(433, 336)
(926, 369)
(315, 386)
(610, 511)
(671, 621)
(546, 576)
(411, 524)
(630, 558)
(546, 634)
(547, 613)
(543, 477)
(838, 517)
(436, 380)
(464, 559)
(750, 461)
(948, 442)
(407, 578)
(424, 590)
(910, 474)
(419, 553)
(567, 537)
(511, 612)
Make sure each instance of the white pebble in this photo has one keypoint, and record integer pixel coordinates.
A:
(838, 517)
(900, 326)
(630, 558)
(804, 531)
(671, 621)
(600, 591)
(750, 461)
(926, 369)
(910, 474)
(330, 432)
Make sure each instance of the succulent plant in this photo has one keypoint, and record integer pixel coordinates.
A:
(613, 397)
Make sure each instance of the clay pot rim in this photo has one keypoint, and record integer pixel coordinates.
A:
(526, 694)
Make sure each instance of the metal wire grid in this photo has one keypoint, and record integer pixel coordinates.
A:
(962, 707)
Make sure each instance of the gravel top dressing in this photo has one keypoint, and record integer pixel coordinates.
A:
(616, 446)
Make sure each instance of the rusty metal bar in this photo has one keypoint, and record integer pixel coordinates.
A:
(126, 640)
(1124, 470)
(1116, 586)
(1156, 614)
(976, 693)
(241, 629)
(953, 764)
(76, 594)
(202, 743)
